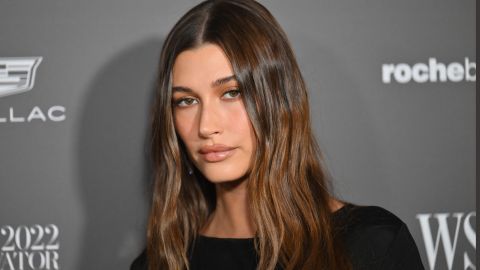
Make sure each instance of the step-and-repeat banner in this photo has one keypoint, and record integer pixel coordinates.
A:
(392, 95)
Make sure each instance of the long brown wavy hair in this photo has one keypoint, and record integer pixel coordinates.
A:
(287, 184)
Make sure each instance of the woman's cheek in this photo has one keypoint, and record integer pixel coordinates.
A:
(242, 129)
(185, 125)
(238, 115)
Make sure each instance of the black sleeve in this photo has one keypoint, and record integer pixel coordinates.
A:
(140, 263)
(402, 253)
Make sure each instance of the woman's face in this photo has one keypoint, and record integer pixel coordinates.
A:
(209, 114)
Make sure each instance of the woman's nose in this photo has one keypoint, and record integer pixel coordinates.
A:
(209, 121)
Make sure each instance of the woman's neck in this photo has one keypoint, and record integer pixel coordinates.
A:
(231, 218)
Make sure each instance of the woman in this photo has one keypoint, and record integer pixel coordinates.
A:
(239, 182)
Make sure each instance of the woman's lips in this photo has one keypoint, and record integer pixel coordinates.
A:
(216, 152)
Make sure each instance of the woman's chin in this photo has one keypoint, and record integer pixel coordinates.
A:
(223, 178)
(222, 171)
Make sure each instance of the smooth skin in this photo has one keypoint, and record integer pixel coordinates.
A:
(209, 111)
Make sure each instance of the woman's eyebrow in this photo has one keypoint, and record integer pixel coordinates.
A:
(182, 89)
(223, 80)
(216, 83)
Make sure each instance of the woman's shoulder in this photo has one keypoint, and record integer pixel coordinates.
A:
(368, 225)
(376, 238)
(367, 217)
(140, 263)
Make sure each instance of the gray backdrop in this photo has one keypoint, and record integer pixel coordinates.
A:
(392, 94)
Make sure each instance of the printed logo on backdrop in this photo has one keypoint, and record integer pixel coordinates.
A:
(29, 247)
(448, 236)
(433, 71)
(17, 75)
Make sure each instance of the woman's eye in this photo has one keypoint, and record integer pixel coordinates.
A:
(183, 102)
(232, 94)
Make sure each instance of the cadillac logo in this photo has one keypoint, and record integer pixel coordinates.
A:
(17, 74)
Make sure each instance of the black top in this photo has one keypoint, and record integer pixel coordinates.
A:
(374, 238)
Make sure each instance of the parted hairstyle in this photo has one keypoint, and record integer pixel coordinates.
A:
(288, 187)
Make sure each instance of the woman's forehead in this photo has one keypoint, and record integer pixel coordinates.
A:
(201, 65)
